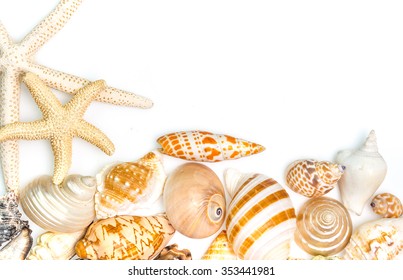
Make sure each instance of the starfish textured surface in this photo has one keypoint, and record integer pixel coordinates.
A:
(16, 59)
(60, 123)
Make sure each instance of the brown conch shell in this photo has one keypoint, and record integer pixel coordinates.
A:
(126, 187)
(125, 238)
(220, 249)
(18, 247)
(171, 252)
(387, 205)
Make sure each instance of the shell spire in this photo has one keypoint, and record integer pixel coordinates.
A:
(370, 145)
(220, 249)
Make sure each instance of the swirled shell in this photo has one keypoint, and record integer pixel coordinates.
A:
(18, 247)
(68, 207)
(206, 147)
(387, 205)
(126, 187)
(55, 246)
(376, 240)
(171, 252)
(194, 200)
(324, 226)
(220, 249)
(10, 218)
(125, 238)
(312, 178)
(261, 217)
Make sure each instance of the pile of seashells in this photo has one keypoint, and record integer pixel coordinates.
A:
(95, 217)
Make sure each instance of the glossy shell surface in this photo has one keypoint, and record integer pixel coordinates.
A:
(220, 249)
(387, 205)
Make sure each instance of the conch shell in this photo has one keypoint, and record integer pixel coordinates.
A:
(194, 200)
(55, 246)
(125, 238)
(324, 226)
(127, 187)
(206, 146)
(377, 240)
(18, 247)
(261, 217)
(68, 207)
(312, 178)
(387, 205)
(365, 172)
(220, 249)
(171, 252)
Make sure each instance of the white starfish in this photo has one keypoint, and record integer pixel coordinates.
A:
(16, 59)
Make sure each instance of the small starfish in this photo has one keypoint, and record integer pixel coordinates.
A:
(16, 59)
(60, 123)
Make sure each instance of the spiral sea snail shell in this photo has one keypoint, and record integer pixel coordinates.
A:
(387, 205)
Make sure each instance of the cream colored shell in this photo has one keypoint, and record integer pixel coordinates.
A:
(220, 249)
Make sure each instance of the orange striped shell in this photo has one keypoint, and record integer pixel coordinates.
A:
(387, 205)
(205, 146)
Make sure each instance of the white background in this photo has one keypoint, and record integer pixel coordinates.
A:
(303, 78)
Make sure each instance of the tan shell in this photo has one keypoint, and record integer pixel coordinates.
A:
(125, 238)
(194, 200)
(220, 249)
(126, 187)
(387, 205)
(18, 247)
(172, 252)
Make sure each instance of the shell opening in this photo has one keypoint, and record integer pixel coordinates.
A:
(216, 208)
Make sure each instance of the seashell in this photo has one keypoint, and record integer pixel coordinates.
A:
(194, 200)
(323, 258)
(220, 249)
(10, 218)
(206, 146)
(365, 172)
(261, 217)
(68, 207)
(126, 187)
(377, 240)
(125, 238)
(18, 247)
(172, 252)
(55, 246)
(387, 205)
(324, 226)
(313, 178)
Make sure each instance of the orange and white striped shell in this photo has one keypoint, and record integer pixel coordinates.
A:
(312, 178)
(261, 217)
(125, 238)
(206, 146)
(387, 205)
(220, 249)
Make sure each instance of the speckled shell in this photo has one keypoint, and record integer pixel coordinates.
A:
(312, 178)
(126, 187)
(68, 207)
(206, 146)
(377, 240)
(10, 218)
(55, 246)
(171, 252)
(220, 249)
(18, 247)
(324, 226)
(194, 199)
(261, 217)
(125, 238)
(387, 205)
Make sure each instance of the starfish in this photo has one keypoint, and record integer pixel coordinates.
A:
(60, 123)
(16, 59)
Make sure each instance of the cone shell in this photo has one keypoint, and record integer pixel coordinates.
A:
(126, 187)
(194, 200)
(324, 226)
(261, 218)
(68, 207)
(172, 252)
(387, 205)
(125, 238)
(312, 178)
(206, 146)
(18, 247)
(220, 249)
(377, 240)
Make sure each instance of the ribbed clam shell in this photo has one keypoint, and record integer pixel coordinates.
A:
(387, 205)
(68, 207)
(261, 217)
(376, 240)
(312, 178)
(18, 247)
(171, 252)
(324, 226)
(206, 146)
(220, 249)
(125, 238)
(126, 187)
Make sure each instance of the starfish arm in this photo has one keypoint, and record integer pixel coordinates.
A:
(27, 131)
(49, 26)
(9, 113)
(5, 40)
(62, 152)
(70, 84)
(93, 135)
